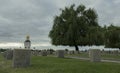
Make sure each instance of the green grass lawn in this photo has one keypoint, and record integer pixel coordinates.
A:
(60, 65)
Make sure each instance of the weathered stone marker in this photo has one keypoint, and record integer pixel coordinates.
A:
(94, 55)
(60, 53)
(21, 58)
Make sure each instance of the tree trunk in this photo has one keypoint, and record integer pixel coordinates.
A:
(76, 48)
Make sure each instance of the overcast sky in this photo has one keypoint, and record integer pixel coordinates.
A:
(19, 18)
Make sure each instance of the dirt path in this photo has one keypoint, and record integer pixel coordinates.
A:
(89, 59)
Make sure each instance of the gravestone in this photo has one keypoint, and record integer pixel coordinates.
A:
(8, 54)
(21, 58)
(94, 55)
(60, 53)
(43, 53)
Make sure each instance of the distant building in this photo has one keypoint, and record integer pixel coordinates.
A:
(27, 43)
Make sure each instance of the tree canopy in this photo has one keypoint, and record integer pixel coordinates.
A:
(76, 26)
(112, 37)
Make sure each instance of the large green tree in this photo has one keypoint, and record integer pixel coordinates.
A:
(112, 37)
(76, 27)
(95, 36)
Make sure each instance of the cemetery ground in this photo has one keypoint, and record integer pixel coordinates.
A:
(104, 56)
(49, 64)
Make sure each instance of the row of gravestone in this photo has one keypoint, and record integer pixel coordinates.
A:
(59, 53)
(21, 57)
(44, 52)
(9, 53)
